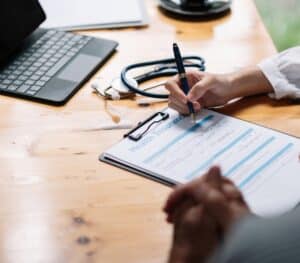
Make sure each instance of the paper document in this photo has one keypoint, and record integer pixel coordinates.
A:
(78, 14)
(262, 162)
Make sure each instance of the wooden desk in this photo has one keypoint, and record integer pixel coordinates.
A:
(58, 203)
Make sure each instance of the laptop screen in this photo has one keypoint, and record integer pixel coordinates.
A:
(18, 19)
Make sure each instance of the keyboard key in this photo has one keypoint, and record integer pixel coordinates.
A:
(42, 60)
(35, 88)
(12, 77)
(27, 73)
(22, 78)
(44, 78)
(71, 53)
(7, 81)
(58, 66)
(29, 82)
(30, 92)
(2, 86)
(12, 68)
(74, 49)
(44, 68)
(17, 72)
(40, 73)
(12, 87)
(22, 68)
(45, 47)
(40, 83)
(51, 52)
(35, 77)
(57, 56)
(49, 64)
(7, 72)
(65, 49)
(32, 68)
(31, 59)
(27, 54)
(47, 55)
(23, 88)
(17, 63)
(21, 59)
(26, 63)
(37, 64)
(18, 82)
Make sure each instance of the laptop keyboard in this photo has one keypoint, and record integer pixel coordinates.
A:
(33, 68)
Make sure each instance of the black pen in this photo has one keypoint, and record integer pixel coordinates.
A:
(183, 79)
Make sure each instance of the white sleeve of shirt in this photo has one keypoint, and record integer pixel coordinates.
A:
(283, 72)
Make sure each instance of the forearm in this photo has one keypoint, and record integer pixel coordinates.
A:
(249, 81)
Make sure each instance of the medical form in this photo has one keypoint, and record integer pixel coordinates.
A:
(262, 162)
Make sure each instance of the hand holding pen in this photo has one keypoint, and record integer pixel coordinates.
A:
(182, 78)
(210, 90)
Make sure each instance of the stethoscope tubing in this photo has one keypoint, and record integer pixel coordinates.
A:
(163, 71)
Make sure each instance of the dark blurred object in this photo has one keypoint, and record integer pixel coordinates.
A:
(195, 9)
(193, 5)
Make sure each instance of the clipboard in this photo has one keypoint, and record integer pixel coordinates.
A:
(146, 124)
(169, 149)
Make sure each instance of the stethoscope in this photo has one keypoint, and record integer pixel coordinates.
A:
(162, 68)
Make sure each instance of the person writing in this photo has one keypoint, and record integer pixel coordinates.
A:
(212, 221)
(278, 75)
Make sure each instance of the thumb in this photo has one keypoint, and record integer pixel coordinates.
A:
(197, 91)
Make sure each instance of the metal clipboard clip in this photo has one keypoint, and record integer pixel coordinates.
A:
(146, 124)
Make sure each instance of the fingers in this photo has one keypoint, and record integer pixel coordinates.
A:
(198, 90)
(216, 205)
(194, 190)
(231, 191)
(214, 177)
(178, 196)
(177, 99)
(181, 210)
(192, 218)
(181, 108)
(173, 86)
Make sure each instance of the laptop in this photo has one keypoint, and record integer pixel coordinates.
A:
(47, 66)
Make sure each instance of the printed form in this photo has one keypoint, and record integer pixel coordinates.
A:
(262, 162)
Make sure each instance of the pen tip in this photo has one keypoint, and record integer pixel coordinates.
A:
(193, 116)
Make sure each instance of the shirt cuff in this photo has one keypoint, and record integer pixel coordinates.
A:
(282, 87)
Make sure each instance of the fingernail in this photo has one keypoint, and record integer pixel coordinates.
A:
(191, 98)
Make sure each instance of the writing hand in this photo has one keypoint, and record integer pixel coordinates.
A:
(207, 90)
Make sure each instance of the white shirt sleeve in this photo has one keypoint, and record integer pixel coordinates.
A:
(283, 72)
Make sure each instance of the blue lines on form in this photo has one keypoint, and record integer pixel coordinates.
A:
(178, 138)
(219, 153)
(265, 165)
(249, 156)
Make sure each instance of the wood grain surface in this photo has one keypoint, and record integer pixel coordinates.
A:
(58, 203)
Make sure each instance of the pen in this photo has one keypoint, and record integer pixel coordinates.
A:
(183, 79)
